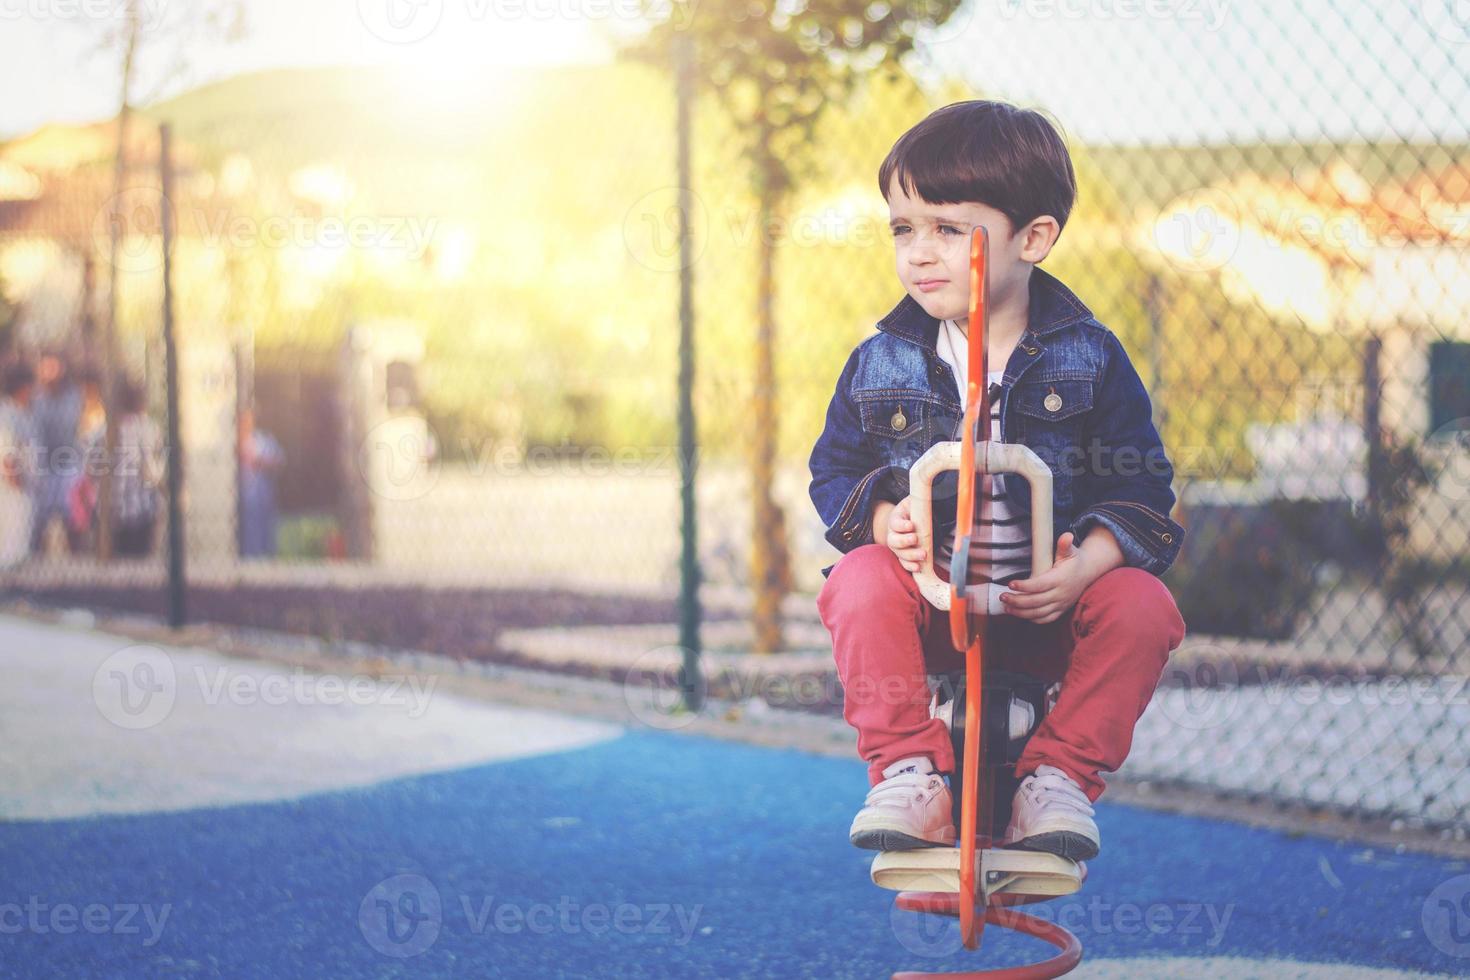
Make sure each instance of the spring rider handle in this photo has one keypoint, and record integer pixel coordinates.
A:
(992, 457)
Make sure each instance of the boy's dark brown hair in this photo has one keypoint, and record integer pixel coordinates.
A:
(1001, 155)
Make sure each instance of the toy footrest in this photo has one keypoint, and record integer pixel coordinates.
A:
(1002, 870)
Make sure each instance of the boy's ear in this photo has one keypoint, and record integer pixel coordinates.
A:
(1038, 237)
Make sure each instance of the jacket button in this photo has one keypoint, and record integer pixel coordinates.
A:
(898, 420)
(1167, 537)
(1053, 402)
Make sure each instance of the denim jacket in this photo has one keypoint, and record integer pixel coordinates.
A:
(896, 397)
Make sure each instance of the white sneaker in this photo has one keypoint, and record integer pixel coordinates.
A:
(1051, 813)
(910, 808)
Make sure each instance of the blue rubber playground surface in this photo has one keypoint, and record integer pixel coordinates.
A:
(635, 854)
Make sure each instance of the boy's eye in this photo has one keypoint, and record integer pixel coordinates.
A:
(943, 230)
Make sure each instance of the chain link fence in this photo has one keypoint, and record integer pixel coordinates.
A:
(428, 352)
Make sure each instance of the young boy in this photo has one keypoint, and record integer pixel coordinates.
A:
(1099, 621)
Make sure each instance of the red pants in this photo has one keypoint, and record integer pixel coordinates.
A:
(1108, 651)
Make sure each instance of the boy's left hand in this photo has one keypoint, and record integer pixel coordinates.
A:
(1050, 594)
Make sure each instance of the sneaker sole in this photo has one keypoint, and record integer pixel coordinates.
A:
(893, 840)
(1063, 843)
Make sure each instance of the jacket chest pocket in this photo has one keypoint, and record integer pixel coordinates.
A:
(1051, 415)
(1052, 403)
(901, 426)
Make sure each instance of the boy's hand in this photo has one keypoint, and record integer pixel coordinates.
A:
(903, 539)
(1049, 595)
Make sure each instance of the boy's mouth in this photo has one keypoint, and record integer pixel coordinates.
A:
(929, 285)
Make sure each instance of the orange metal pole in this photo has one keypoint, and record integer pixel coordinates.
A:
(976, 808)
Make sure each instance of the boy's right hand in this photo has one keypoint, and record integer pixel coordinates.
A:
(903, 538)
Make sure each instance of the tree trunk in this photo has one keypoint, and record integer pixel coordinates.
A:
(770, 561)
(110, 360)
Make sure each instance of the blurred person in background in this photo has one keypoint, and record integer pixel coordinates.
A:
(261, 456)
(55, 411)
(17, 445)
(81, 499)
(137, 474)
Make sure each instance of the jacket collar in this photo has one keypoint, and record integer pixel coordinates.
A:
(1052, 306)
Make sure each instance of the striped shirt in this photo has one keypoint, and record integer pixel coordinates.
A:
(1000, 547)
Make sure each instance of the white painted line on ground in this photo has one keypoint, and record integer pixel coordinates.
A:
(97, 724)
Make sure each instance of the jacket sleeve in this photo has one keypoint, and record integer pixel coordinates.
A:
(1127, 476)
(848, 475)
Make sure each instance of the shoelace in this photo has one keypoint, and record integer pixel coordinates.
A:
(1048, 788)
(896, 790)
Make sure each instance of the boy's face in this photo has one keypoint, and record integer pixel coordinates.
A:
(932, 246)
